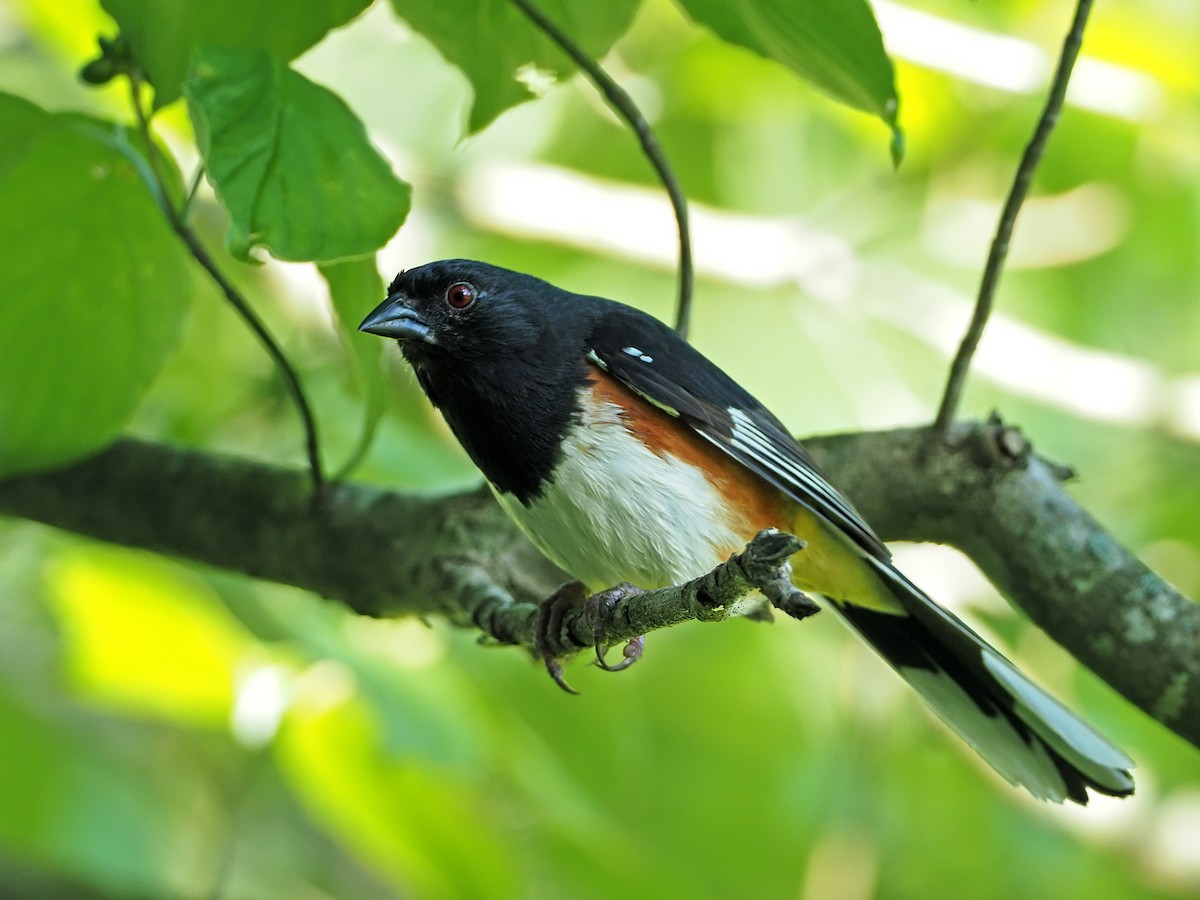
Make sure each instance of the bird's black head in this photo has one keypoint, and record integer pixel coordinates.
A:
(502, 354)
(460, 312)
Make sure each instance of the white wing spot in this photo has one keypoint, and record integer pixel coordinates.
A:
(637, 354)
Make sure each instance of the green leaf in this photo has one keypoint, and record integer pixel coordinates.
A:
(354, 286)
(93, 282)
(289, 160)
(833, 44)
(491, 41)
(163, 33)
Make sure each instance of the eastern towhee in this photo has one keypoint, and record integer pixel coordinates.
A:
(626, 455)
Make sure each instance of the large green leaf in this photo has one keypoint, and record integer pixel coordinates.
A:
(290, 161)
(491, 41)
(833, 44)
(163, 33)
(93, 285)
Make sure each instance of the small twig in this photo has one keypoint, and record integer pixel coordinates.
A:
(1008, 218)
(624, 106)
(185, 210)
(176, 218)
(762, 566)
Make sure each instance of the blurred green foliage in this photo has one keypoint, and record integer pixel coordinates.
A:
(163, 33)
(175, 731)
(490, 42)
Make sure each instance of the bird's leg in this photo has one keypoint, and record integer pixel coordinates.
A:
(602, 605)
(547, 635)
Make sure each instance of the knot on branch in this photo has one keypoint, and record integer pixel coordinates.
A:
(992, 444)
(1005, 444)
(998, 446)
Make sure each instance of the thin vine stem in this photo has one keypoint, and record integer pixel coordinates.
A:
(176, 218)
(623, 105)
(1008, 218)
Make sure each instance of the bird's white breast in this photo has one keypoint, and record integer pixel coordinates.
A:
(616, 511)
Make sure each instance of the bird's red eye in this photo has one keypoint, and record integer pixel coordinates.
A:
(460, 295)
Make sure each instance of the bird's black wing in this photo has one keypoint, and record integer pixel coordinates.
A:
(654, 362)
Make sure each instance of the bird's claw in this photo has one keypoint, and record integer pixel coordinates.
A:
(547, 635)
(602, 605)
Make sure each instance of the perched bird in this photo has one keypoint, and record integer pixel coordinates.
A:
(626, 455)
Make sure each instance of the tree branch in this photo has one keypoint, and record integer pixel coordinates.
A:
(385, 553)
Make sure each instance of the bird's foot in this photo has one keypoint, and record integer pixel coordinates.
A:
(548, 632)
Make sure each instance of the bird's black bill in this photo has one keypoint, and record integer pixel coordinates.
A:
(394, 318)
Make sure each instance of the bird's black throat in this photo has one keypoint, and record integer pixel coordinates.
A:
(509, 415)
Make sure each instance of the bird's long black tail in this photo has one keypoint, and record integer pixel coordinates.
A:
(1025, 734)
